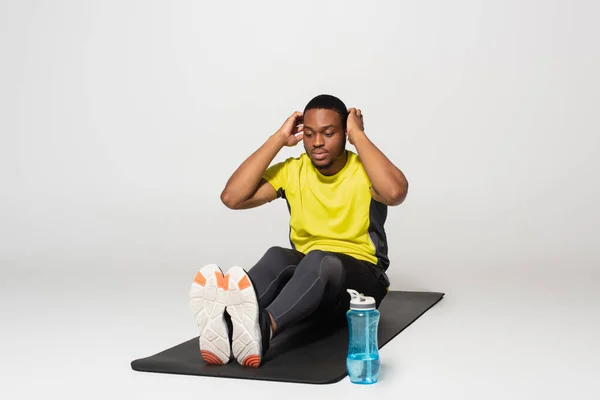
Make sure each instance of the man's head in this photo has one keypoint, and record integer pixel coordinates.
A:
(325, 118)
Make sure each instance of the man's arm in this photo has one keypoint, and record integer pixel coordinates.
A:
(246, 188)
(389, 185)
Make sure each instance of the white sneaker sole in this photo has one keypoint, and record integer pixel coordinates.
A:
(208, 299)
(243, 309)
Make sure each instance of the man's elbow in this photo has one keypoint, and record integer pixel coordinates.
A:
(398, 195)
(229, 201)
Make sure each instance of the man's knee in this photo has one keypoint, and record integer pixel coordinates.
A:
(275, 250)
(317, 254)
(318, 259)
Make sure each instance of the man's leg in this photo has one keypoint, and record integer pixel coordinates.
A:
(362, 276)
(319, 281)
(319, 287)
(272, 272)
(249, 293)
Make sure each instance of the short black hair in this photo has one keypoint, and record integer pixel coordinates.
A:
(329, 102)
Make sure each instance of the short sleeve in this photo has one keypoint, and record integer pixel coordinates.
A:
(363, 173)
(276, 175)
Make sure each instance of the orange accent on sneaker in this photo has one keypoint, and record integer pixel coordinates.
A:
(226, 282)
(220, 279)
(252, 361)
(200, 279)
(210, 358)
(244, 283)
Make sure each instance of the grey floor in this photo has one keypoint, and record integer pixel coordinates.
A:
(72, 334)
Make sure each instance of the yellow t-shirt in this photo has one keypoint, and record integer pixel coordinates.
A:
(332, 213)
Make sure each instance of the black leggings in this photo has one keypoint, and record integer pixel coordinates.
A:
(292, 286)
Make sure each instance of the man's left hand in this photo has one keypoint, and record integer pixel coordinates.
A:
(354, 125)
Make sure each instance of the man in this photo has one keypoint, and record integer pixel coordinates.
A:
(337, 200)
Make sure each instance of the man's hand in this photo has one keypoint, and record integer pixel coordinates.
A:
(354, 124)
(246, 188)
(291, 132)
(389, 185)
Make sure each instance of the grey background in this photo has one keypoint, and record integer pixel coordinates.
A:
(121, 121)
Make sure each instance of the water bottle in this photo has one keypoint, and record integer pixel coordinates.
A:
(362, 362)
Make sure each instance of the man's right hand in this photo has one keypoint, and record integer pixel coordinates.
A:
(291, 132)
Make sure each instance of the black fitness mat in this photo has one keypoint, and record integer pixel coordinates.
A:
(302, 354)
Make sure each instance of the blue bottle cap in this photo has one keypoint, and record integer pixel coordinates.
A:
(360, 302)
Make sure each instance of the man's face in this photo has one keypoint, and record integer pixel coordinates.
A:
(324, 138)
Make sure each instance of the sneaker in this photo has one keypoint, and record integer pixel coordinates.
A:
(251, 323)
(208, 299)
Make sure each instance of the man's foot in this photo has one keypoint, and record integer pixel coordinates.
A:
(208, 299)
(251, 324)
